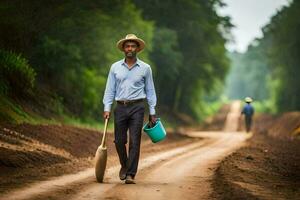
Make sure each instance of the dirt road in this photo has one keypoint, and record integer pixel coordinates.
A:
(181, 173)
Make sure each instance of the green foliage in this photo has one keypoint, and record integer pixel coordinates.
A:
(208, 109)
(284, 31)
(72, 45)
(194, 61)
(282, 46)
(266, 106)
(12, 112)
(168, 60)
(269, 70)
(91, 123)
(91, 100)
(16, 76)
(249, 75)
(75, 52)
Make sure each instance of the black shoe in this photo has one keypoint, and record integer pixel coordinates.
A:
(129, 179)
(122, 173)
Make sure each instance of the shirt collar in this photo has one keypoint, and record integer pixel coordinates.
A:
(137, 63)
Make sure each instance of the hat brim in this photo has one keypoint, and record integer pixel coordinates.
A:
(139, 41)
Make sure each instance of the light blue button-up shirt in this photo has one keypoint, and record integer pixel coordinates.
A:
(130, 84)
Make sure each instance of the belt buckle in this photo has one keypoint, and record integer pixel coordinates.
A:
(125, 103)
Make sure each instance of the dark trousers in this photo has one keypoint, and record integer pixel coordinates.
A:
(248, 122)
(129, 117)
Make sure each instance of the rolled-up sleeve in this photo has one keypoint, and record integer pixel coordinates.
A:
(150, 91)
(110, 91)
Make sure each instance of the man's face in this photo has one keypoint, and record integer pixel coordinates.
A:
(130, 49)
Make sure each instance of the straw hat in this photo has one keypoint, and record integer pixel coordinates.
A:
(131, 37)
(248, 100)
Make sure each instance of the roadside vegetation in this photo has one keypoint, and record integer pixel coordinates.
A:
(55, 58)
(58, 54)
(268, 71)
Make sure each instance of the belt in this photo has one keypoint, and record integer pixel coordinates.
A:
(129, 102)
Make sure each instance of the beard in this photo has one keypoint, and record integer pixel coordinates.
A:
(130, 54)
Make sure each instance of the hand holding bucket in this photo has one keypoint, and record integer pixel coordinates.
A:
(157, 132)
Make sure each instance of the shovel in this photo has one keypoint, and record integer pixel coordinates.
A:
(101, 157)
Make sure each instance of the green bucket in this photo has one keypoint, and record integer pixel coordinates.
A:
(157, 132)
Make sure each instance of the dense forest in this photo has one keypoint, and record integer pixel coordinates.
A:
(269, 70)
(67, 47)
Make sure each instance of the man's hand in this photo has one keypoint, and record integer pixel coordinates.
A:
(106, 114)
(152, 120)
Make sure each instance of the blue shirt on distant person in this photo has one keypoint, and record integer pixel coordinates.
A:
(248, 110)
(130, 84)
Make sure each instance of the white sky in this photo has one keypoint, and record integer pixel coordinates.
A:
(249, 16)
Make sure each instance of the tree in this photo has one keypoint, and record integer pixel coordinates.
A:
(200, 45)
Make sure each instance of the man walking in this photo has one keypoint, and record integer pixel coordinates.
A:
(129, 83)
(248, 111)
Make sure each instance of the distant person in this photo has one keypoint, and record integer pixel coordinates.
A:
(248, 111)
(129, 83)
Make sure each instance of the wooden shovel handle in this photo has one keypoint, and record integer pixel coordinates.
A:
(103, 142)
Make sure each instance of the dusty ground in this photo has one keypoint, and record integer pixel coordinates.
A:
(268, 167)
(56, 162)
(176, 173)
(30, 153)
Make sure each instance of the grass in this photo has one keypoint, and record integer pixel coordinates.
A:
(11, 112)
(86, 123)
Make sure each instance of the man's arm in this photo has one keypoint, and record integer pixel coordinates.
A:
(150, 94)
(109, 94)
